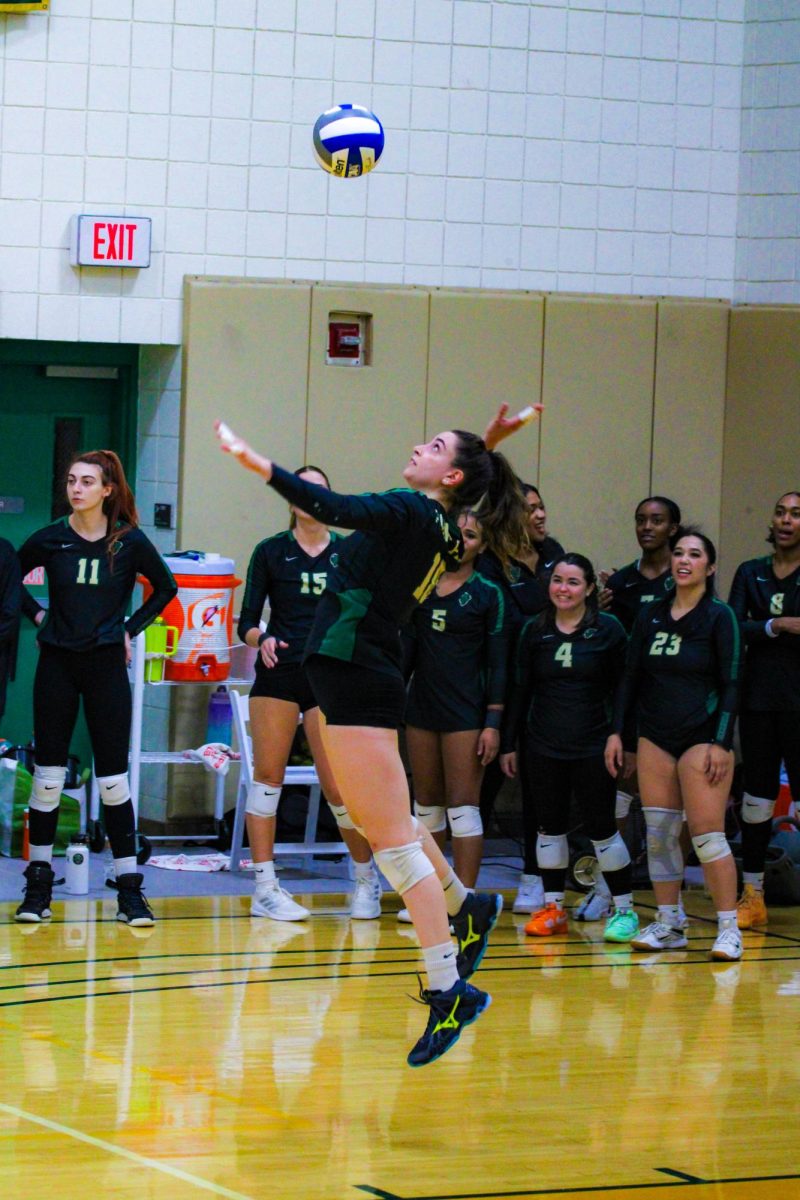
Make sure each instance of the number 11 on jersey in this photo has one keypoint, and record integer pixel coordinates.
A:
(94, 570)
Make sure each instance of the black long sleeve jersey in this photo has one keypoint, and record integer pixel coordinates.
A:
(680, 673)
(631, 589)
(772, 664)
(458, 651)
(87, 599)
(403, 543)
(282, 572)
(526, 589)
(563, 686)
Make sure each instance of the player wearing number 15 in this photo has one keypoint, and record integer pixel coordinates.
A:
(681, 687)
(92, 559)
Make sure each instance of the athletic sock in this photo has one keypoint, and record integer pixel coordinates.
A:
(440, 966)
(726, 919)
(754, 878)
(454, 892)
(670, 914)
(364, 870)
(265, 875)
(41, 854)
(554, 898)
(624, 903)
(125, 866)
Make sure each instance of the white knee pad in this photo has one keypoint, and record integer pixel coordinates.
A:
(465, 821)
(710, 847)
(612, 854)
(262, 800)
(623, 805)
(404, 866)
(432, 816)
(552, 851)
(114, 789)
(664, 858)
(48, 783)
(341, 816)
(756, 809)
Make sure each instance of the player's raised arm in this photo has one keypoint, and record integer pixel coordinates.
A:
(242, 451)
(502, 426)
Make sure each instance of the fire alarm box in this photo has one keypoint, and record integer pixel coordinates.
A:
(348, 340)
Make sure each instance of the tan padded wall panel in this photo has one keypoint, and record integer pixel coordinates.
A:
(596, 429)
(364, 421)
(762, 428)
(486, 347)
(245, 360)
(689, 411)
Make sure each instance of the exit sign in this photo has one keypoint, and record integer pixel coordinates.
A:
(110, 241)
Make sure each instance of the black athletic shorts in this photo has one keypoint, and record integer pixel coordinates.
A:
(287, 681)
(677, 746)
(349, 694)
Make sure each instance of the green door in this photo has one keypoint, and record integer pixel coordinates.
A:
(46, 416)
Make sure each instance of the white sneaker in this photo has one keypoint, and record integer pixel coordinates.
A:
(404, 917)
(595, 906)
(683, 920)
(728, 945)
(658, 936)
(530, 894)
(276, 902)
(365, 903)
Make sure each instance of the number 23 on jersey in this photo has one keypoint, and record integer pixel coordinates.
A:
(666, 643)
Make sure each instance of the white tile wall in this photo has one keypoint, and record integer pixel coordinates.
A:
(644, 145)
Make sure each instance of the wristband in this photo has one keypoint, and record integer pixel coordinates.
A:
(769, 630)
(262, 637)
(494, 719)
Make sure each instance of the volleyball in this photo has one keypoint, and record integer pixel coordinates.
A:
(348, 140)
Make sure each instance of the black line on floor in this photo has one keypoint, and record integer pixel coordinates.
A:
(683, 1181)
(682, 1175)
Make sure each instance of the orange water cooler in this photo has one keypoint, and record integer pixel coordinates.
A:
(202, 612)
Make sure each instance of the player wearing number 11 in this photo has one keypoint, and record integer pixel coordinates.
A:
(92, 559)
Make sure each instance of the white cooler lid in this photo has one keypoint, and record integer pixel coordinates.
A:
(209, 564)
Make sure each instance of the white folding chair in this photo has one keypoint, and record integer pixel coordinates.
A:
(300, 776)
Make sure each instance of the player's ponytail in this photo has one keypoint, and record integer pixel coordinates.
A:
(119, 505)
(491, 489)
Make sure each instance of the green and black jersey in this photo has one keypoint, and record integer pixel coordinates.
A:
(458, 651)
(772, 664)
(681, 673)
(631, 589)
(403, 543)
(282, 573)
(87, 598)
(563, 687)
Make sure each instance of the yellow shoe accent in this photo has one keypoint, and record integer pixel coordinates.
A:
(751, 909)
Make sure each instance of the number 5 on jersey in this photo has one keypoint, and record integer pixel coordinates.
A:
(94, 570)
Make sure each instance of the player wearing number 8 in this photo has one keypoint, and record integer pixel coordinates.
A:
(569, 661)
(92, 559)
(681, 690)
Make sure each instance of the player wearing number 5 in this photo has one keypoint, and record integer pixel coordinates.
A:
(681, 689)
(92, 559)
(291, 570)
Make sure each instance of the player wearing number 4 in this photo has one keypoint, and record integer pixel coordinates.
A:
(765, 595)
(92, 559)
(569, 662)
(681, 686)
(291, 570)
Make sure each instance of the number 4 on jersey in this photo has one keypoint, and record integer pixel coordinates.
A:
(94, 571)
(564, 654)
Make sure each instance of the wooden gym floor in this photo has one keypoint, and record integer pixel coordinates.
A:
(219, 1055)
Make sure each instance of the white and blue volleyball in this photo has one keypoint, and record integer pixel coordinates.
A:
(348, 140)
